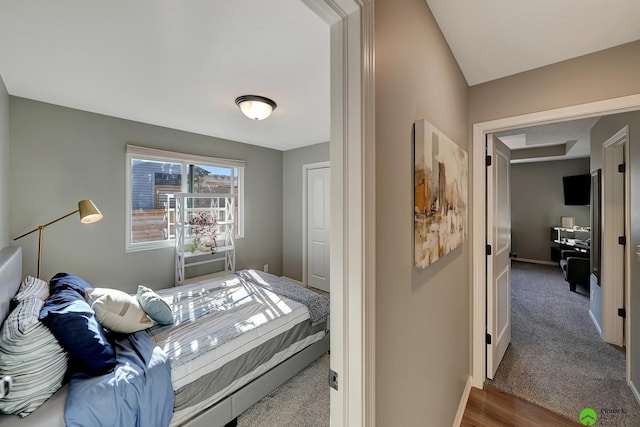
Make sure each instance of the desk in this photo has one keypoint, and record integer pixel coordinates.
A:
(565, 238)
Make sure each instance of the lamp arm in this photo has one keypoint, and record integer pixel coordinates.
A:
(46, 225)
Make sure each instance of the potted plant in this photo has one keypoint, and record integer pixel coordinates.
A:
(205, 233)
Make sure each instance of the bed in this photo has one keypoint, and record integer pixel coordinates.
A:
(235, 339)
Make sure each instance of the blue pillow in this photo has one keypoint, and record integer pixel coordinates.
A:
(154, 305)
(73, 323)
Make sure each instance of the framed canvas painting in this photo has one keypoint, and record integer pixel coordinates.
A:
(440, 202)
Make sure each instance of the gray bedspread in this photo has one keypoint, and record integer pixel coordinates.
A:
(317, 304)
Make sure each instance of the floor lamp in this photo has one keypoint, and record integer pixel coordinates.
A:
(89, 214)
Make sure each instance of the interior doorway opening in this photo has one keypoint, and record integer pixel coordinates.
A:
(480, 130)
(559, 116)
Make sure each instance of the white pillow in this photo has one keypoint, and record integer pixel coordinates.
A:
(117, 310)
(29, 353)
(32, 287)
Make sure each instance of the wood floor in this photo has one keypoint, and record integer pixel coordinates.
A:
(491, 407)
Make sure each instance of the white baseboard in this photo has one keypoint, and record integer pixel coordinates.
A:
(595, 322)
(535, 261)
(297, 282)
(463, 403)
(634, 390)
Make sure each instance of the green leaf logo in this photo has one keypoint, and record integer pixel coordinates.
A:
(588, 417)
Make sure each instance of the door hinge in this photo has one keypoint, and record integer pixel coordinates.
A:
(488, 249)
(622, 240)
(488, 161)
(333, 379)
(622, 167)
(622, 313)
(488, 339)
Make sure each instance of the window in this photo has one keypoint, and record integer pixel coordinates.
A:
(155, 176)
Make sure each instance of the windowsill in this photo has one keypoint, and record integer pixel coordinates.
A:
(159, 245)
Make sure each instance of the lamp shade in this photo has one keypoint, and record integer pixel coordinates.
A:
(89, 213)
(255, 107)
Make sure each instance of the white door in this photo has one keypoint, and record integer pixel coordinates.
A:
(498, 250)
(614, 224)
(318, 228)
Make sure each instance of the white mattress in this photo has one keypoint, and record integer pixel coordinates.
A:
(240, 319)
(218, 320)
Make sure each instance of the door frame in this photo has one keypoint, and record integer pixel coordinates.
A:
(305, 169)
(615, 217)
(352, 157)
(479, 130)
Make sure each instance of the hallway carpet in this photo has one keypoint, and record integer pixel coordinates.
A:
(556, 358)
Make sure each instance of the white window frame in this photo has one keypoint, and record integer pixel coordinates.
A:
(145, 153)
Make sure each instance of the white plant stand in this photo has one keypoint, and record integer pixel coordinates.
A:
(218, 206)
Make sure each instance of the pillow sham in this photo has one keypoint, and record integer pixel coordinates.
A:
(32, 356)
(117, 310)
(32, 287)
(155, 307)
(70, 318)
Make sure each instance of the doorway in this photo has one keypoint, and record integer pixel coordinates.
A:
(617, 157)
(480, 130)
(352, 257)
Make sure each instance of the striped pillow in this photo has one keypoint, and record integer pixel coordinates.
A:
(32, 356)
(32, 287)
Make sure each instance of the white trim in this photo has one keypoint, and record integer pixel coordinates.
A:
(305, 169)
(613, 220)
(609, 106)
(136, 150)
(634, 390)
(369, 212)
(593, 319)
(352, 208)
(457, 421)
(536, 261)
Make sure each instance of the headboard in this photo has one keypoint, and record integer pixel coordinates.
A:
(10, 277)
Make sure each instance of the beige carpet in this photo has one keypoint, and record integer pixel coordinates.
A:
(556, 358)
(303, 401)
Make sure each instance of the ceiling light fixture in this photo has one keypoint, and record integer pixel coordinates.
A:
(255, 107)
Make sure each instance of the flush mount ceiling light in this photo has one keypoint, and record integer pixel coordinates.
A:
(255, 107)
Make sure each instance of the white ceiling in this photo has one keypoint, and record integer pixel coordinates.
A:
(178, 64)
(496, 38)
(544, 143)
(181, 64)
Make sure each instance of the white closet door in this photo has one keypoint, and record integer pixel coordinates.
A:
(318, 227)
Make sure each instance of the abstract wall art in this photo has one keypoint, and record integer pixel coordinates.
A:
(440, 202)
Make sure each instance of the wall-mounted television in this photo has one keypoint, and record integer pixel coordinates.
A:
(577, 189)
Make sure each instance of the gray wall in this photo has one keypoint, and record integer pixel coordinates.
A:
(537, 203)
(422, 315)
(603, 75)
(292, 180)
(604, 129)
(59, 156)
(4, 165)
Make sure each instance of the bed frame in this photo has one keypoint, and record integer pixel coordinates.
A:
(223, 413)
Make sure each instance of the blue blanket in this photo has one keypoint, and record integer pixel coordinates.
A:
(137, 392)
